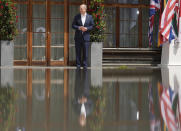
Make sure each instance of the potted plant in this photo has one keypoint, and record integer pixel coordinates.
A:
(8, 31)
(96, 9)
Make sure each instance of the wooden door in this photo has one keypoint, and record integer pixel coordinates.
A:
(46, 32)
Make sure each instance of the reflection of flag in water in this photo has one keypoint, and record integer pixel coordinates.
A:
(154, 123)
(154, 6)
(179, 108)
(166, 102)
(160, 90)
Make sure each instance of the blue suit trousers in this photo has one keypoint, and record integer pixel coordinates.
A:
(82, 47)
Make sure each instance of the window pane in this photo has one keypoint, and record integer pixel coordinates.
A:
(122, 1)
(58, 0)
(110, 1)
(57, 25)
(145, 25)
(57, 46)
(38, 46)
(57, 11)
(20, 0)
(20, 47)
(39, 53)
(21, 53)
(128, 27)
(145, 2)
(39, 0)
(57, 39)
(39, 25)
(110, 37)
(57, 53)
(22, 10)
(39, 11)
(73, 10)
(20, 43)
(75, 1)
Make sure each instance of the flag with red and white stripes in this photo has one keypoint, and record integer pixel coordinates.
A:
(166, 19)
(179, 21)
(154, 6)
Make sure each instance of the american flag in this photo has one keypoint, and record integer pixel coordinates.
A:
(154, 6)
(166, 19)
(160, 37)
(167, 112)
(179, 20)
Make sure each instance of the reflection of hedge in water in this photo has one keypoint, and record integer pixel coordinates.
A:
(97, 116)
(7, 109)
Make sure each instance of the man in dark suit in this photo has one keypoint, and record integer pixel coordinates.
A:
(82, 23)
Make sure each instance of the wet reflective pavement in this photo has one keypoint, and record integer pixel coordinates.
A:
(125, 99)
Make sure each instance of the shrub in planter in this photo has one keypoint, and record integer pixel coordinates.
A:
(8, 31)
(8, 20)
(96, 9)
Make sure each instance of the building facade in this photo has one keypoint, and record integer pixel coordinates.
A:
(46, 37)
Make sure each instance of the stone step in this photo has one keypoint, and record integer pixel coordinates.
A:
(129, 64)
(126, 56)
(131, 59)
(132, 49)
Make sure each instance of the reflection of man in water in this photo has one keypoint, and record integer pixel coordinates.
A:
(83, 105)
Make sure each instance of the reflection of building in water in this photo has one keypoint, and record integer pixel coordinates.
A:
(53, 96)
(131, 93)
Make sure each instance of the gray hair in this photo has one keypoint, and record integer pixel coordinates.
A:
(84, 5)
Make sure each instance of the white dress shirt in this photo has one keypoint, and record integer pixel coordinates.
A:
(83, 18)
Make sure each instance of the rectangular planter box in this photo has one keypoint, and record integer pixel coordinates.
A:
(7, 53)
(95, 60)
(171, 54)
(6, 60)
(95, 54)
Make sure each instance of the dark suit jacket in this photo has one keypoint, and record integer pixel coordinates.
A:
(89, 23)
